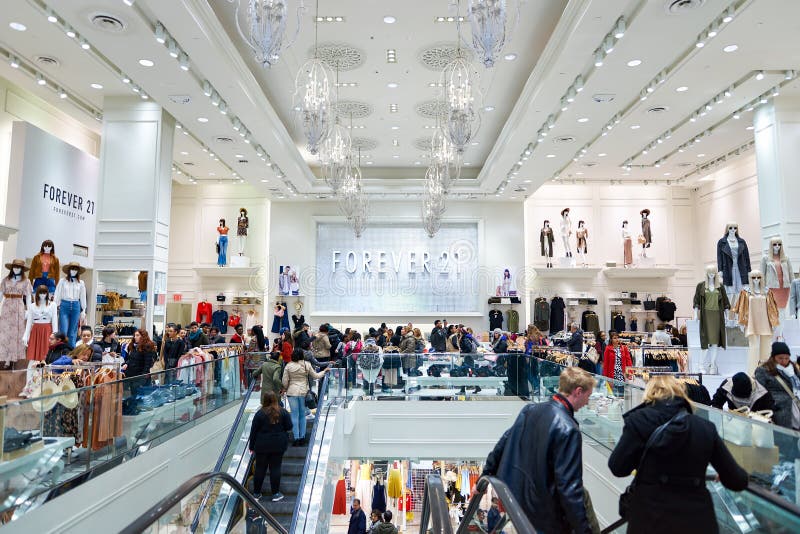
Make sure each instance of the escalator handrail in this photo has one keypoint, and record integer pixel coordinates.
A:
(224, 453)
(510, 505)
(184, 490)
(773, 499)
(434, 507)
(323, 392)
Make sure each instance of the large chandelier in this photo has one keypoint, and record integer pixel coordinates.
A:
(433, 200)
(333, 155)
(352, 199)
(265, 24)
(313, 102)
(488, 20)
(461, 85)
(443, 156)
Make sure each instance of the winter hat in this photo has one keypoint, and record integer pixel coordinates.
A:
(779, 347)
(497, 331)
(742, 386)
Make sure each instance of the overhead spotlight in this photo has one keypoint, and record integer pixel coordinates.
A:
(728, 15)
(719, 99)
(223, 108)
(128, 3)
(668, 134)
(161, 33)
(85, 44)
(650, 88)
(40, 79)
(51, 17)
(571, 95)
(62, 94)
(551, 122)
(564, 104)
(144, 96)
(578, 85)
(760, 75)
(776, 91)
(237, 124)
(763, 99)
(14, 62)
(737, 115)
(183, 61)
(215, 99)
(709, 107)
(608, 45)
(662, 77)
(729, 92)
(125, 79)
(713, 31)
(701, 40)
(643, 95)
(135, 89)
(70, 32)
(173, 49)
(619, 29)
(617, 118)
(598, 58)
(789, 75)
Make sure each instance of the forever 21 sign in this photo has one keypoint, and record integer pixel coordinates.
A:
(67, 202)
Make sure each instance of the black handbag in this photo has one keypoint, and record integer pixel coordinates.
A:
(311, 400)
(649, 303)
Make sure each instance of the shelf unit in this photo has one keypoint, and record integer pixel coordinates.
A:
(227, 272)
(567, 272)
(639, 272)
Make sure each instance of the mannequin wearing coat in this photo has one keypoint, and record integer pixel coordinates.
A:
(733, 261)
(546, 242)
(710, 305)
(777, 270)
(758, 315)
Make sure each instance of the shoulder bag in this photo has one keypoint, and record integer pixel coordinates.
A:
(626, 498)
(649, 303)
(311, 397)
(158, 365)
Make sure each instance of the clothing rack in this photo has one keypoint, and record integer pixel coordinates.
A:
(678, 357)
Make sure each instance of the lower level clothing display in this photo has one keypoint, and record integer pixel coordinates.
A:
(340, 498)
(379, 497)
(513, 320)
(364, 486)
(590, 322)
(394, 486)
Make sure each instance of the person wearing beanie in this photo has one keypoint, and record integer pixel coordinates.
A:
(780, 376)
(741, 390)
(499, 342)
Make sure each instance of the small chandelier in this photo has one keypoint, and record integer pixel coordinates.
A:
(433, 200)
(444, 157)
(333, 155)
(313, 102)
(352, 199)
(265, 22)
(488, 20)
(461, 85)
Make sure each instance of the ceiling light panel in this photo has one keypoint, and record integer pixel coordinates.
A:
(391, 55)
(330, 18)
(449, 19)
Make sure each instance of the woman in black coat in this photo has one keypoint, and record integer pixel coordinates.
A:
(269, 440)
(670, 492)
(141, 355)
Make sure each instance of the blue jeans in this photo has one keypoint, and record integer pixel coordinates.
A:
(222, 259)
(69, 315)
(297, 407)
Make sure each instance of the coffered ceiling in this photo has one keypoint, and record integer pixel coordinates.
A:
(656, 108)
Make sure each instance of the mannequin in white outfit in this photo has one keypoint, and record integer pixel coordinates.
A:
(566, 231)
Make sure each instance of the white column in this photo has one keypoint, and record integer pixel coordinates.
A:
(135, 190)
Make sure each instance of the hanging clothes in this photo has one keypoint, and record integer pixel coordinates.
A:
(379, 497)
(364, 487)
(541, 314)
(204, 314)
(557, 315)
(340, 498)
(219, 320)
(495, 319)
(465, 485)
(394, 486)
(513, 320)
(618, 322)
(589, 321)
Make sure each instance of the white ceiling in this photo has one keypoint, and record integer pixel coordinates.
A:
(554, 42)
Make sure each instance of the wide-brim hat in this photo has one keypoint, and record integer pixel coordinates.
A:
(565, 210)
(244, 210)
(73, 265)
(47, 389)
(70, 397)
(17, 263)
(644, 212)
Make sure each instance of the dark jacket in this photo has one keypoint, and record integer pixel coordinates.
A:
(783, 401)
(725, 260)
(517, 371)
(670, 494)
(439, 340)
(358, 522)
(173, 350)
(139, 362)
(501, 346)
(385, 528)
(266, 437)
(99, 347)
(575, 342)
(214, 340)
(760, 398)
(541, 460)
(56, 351)
(271, 374)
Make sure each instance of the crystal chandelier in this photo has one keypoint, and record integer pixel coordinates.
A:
(488, 20)
(443, 156)
(352, 199)
(313, 102)
(265, 22)
(333, 155)
(461, 85)
(433, 200)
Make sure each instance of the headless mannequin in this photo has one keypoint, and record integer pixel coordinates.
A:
(627, 245)
(779, 280)
(583, 235)
(710, 354)
(566, 232)
(547, 243)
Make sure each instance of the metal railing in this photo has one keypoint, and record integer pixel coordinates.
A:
(434, 507)
(513, 511)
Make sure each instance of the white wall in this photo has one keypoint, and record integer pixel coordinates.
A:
(604, 207)
(293, 242)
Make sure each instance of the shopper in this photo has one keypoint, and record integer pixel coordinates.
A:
(453, 339)
(616, 359)
(107, 344)
(550, 493)
(85, 337)
(669, 491)
(321, 344)
(214, 337)
(268, 443)
(286, 345)
(271, 375)
(196, 336)
(661, 337)
(781, 378)
(575, 341)
(419, 341)
(386, 526)
(358, 520)
(351, 352)
(438, 337)
(742, 391)
(301, 335)
(141, 355)
(374, 522)
(478, 523)
(600, 344)
(295, 381)
(494, 516)
(499, 342)
(58, 347)
(259, 340)
(238, 336)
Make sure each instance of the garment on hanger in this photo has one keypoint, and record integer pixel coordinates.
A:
(379, 497)
(394, 486)
(665, 309)
(250, 320)
(650, 325)
(513, 320)
(340, 498)
(590, 321)
(634, 325)
(541, 314)
(618, 322)
(495, 319)
(204, 312)
(364, 486)
(557, 315)
(219, 319)
(298, 321)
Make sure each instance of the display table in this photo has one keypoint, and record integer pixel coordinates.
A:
(134, 425)
(37, 460)
(483, 382)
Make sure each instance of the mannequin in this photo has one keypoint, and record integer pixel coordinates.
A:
(582, 234)
(45, 268)
(648, 236)
(283, 280)
(546, 242)
(627, 246)
(733, 261)
(15, 291)
(222, 244)
(41, 321)
(70, 300)
(710, 304)
(294, 282)
(566, 231)
(758, 315)
(242, 224)
(777, 271)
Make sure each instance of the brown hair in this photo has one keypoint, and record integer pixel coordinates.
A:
(40, 289)
(269, 404)
(81, 352)
(146, 344)
(47, 243)
(573, 378)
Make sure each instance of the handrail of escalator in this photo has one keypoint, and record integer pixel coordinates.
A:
(323, 392)
(224, 453)
(773, 499)
(434, 507)
(164, 505)
(510, 505)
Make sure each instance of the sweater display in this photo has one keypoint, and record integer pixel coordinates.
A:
(495, 319)
(618, 322)
(219, 320)
(557, 315)
(541, 314)
(204, 312)
(665, 309)
(513, 320)
(589, 321)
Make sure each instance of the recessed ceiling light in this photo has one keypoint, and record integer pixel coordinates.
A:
(395, 156)
(527, 181)
(388, 19)
(601, 155)
(369, 163)
(730, 48)
(488, 108)
(96, 86)
(146, 63)
(579, 173)
(701, 155)
(510, 57)
(264, 180)
(749, 128)
(474, 143)
(391, 55)
(184, 153)
(239, 155)
(550, 156)
(395, 127)
(202, 119)
(635, 127)
(583, 119)
(682, 89)
(667, 174)
(18, 26)
(392, 85)
(417, 163)
(634, 62)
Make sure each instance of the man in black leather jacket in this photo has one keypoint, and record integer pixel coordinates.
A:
(540, 458)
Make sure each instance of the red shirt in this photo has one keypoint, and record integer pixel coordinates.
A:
(610, 356)
(236, 338)
(286, 351)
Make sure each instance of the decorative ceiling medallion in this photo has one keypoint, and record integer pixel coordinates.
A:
(432, 109)
(107, 22)
(47, 61)
(658, 109)
(352, 108)
(423, 143)
(564, 139)
(363, 143)
(339, 56)
(436, 57)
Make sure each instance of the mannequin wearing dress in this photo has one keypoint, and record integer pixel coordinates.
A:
(15, 294)
(546, 242)
(710, 304)
(582, 235)
(758, 315)
(646, 233)
(566, 232)
(222, 243)
(777, 270)
(627, 245)
(41, 320)
(242, 224)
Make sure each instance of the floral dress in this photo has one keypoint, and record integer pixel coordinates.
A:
(12, 318)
